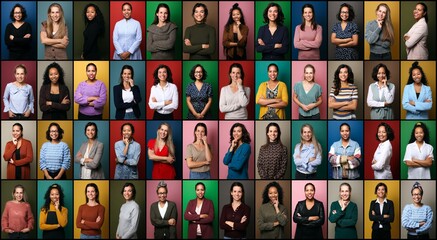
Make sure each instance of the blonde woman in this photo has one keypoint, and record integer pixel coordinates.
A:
(54, 33)
(162, 152)
(380, 34)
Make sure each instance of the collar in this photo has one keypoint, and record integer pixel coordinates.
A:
(385, 200)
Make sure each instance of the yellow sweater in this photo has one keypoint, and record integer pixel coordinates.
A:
(61, 215)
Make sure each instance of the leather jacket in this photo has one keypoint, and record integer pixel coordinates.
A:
(303, 220)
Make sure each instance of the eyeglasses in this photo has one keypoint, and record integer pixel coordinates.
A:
(198, 72)
(343, 12)
(416, 194)
(162, 193)
(53, 131)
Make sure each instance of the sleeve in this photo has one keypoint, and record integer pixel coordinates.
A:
(209, 210)
(370, 101)
(261, 92)
(244, 30)
(428, 223)
(100, 102)
(59, 106)
(8, 32)
(150, 44)
(136, 155)
(10, 149)
(268, 47)
(193, 48)
(30, 100)
(174, 98)
(5, 218)
(62, 216)
(350, 218)
(211, 42)
(261, 162)
(6, 97)
(389, 92)
(284, 95)
(307, 44)
(298, 161)
(406, 100)
(385, 157)
(42, 158)
(408, 153)
(138, 37)
(155, 217)
(283, 164)
(282, 216)
(318, 159)
(374, 218)
(115, 41)
(135, 220)
(79, 98)
(357, 157)
(243, 226)
(335, 214)
(167, 44)
(222, 221)
(189, 214)
(372, 32)
(425, 106)
(93, 224)
(137, 94)
(66, 158)
(239, 158)
(42, 222)
(407, 223)
(30, 219)
(391, 213)
(284, 41)
(118, 99)
(97, 157)
(92, 35)
(155, 105)
(420, 30)
(261, 222)
(298, 43)
(297, 217)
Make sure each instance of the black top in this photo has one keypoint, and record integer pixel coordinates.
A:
(19, 47)
(309, 229)
(90, 46)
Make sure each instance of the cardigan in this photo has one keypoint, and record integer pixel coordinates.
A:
(161, 41)
(26, 155)
(95, 153)
(89, 214)
(421, 108)
(121, 106)
(268, 50)
(17, 216)
(228, 214)
(344, 220)
(267, 216)
(51, 52)
(162, 229)
(282, 94)
(240, 49)
(199, 34)
(57, 110)
(238, 162)
(61, 215)
(377, 97)
(194, 219)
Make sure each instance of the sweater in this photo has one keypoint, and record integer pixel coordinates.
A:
(89, 214)
(26, 157)
(238, 162)
(344, 220)
(228, 214)
(272, 161)
(57, 110)
(161, 40)
(17, 216)
(266, 218)
(234, 104)
(308, 42)
(239, 51)
(19, 47)
(373, 36)
(199, 34)
(128, 220)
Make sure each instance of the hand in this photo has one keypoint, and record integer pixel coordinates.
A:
(64, 41)
(422, 223)
(125, 55)
(305, 107)
(11, 114)
(187, 42)
(126, 140)
(82, 221)
(199, 116)
(65, 100)
(171, 222)
(27, 35)
(98, 219)
(131, 82)
(233, 145)
(11, 161)
(412, 103)
(373, 161)
(380, 22)
(91, 99)
(11, 37)
(27, 113)
(428, 100)
(384, 82)
(386, 216)
(170, 159)
(243, 219)
(278, 45)
(57, 204)
(344, 205)
(154, 99)
(203, 215)
(15, 141)
(25, 230)
(311, 159)
(167, 102)
(239, 82)
(373, 213)
(406, 37)
(313, 218)
(205, 139)
(205, 46)
(260, 42)
(79, 155)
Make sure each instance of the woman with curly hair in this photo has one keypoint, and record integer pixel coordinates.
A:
(18, 34)
(417, 96)
(53, 217)
(237, 157)
(199, 94)
(164, 96)
(383, 153)
(343, 97)
(381, 93)
(344, 34)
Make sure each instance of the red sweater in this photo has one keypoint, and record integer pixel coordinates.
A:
(90, 214)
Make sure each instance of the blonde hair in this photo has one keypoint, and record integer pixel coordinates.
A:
(387, 25)
(168, 139)
(62, 31)
(317, 147)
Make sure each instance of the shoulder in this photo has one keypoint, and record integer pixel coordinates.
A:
(151, 141)
(116, 87)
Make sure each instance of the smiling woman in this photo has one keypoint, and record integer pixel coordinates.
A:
(18, 34)
(90, 215)
(162, 152)
(127, 36)
(54, 33)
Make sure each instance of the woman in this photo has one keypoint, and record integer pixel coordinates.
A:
(235, 216)
(129, 217)
(419, 155)
(127, 152)
(272, 96)
(417, 96)
(308, 35)
(200, 215)
(90, 154)
(54, 34)
(199, 154)
(344, 34)
(18, 34)
(383, 153)
(17, 218)
(164, 96)
(381, 94)
(344, 213)
(345, 156)
(91, 215)
(161, 152)
(54, 95)
(235, 97)
(94, 29)
(161, 36)
(381, 213)
(127, 36)
(380, 34)
(309, 215)
(238, 154)
(272, 215)
(307, 154)
(198, 94)
(163, 214)
(90, 95)
(53, 217)
(235, 35)
(273, 46)
(343, 97)
(417, 217)
(200, 39)
(18, 96)
(127, 95)
(415, 39)
(273, 156)
(308, 95)
(18, 154)
(55, 154)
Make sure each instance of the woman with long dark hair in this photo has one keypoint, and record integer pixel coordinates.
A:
(161, 34)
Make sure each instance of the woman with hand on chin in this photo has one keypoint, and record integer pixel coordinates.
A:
(161, 151)
(127, 36)
(199, 154)
(380, 34)
(127, 95)
(129, 217)
(19, 154)
(200, 215)
(381, 93)
(344, 213)
(91, 215)
(53, 217)
(163, 214)
(237, 157)
(309, 215)
(127, 152)
(235, 35)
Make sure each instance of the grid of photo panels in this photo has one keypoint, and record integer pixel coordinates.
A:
(218, 119)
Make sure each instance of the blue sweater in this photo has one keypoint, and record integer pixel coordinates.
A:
(238, 162)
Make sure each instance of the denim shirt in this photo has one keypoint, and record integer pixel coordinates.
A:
(352, 149)
(127, 164)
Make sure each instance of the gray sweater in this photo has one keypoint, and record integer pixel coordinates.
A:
(161, 40)
(373, 36)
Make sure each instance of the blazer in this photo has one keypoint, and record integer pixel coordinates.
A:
(122, 106)
(421, 108)
(96, 154)
(47, 110)
(162, 229)
(26, 155)
(416, 44)
(228, 37)
(193, 218)
(378, 218)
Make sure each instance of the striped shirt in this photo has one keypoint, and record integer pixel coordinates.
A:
(412, 216)
(53, 157)
(347, 94)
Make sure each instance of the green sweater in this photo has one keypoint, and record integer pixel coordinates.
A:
(345, 220)
(199, 34)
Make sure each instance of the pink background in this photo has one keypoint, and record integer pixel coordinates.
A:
(320, 78)
(248, 12)
(298, 194)
(188, 137)
(225, 127)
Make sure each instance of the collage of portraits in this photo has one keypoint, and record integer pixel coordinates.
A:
(218, 119)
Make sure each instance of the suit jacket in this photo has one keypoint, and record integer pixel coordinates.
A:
(26, 155)
(47, 110)
(416, 44)
(162, 229)
(378, 218)
(421, 108)
(122, 106)
(193, 218)
(96, 154)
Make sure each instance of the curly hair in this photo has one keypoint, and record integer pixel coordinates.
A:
(422, 125)
(337, 84)
(280, 19)
(193, 69)
(231, 20)
(45, 208)
(351, 12)
(169, 74)
(60, 131)
(245, 138)
(98, 18)
(23, 12)
(376, 69)
(388, 130)
(266, 198)
(415, 65)
(46, 78)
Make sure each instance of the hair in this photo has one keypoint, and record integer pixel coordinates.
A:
(131, 185)
(245, 138)
(62, 31)
(280, 19)
(100, 21)
(162, 184)
(425, 10)
(96, 189)
(418, 186)
(22, 66)
(415, 65)
(309, 184)
(128, 124)
(91, 64)
(60, 131)
(345, 184)
(316, 144)
(266, 198)
(337, 84)
(236, 65)
(231, 21)
(351, 12)
(388, 130)
(89, 124)
(169, 74)
(20, 127)
(237, 184)
(273, 65)
(168, 139)
(376, 69)
(387, 25)
(24, 199)
(379, 185)
(204, 75)
(200, 183)
(312, 67)
(23, 12)
(126, 3)
(161, 5)
(129, 67)
(200, 124)
(313, 20)
(204, 8)
(45, 208)
(422, 125)
(345, 124)
(273, 124)
(46, 77)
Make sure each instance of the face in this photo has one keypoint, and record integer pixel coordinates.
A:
(272, 134)
(237, 193)
(53, 75)
(273, 73)
(380, 192)
(54, 195)
(345, 132)
(162, 74)
(200, 132)
(162, 194)
(127, 11)
(162, 14)
(309, 192)
(236, 15)
(200, 191)
(16, 132)
(344, 13)
(419, 134)
(20, 75)
(417, 75)
(55, 14)
(90, 13)
(199, 14)
(273, 194)
(309, 74)
(344, 74)
(307, 134)
(381, 13)
(127, 193)
(417, 197)
(382, 134)
(307, 14)
(90, 132)
(237, 133)
(91, 72)
(345, 193)
(18, 194)
(419, 12)
(272, 13)
(235, 74)
(163, 132)
(18, 15)
(126, 75)
(91, 193)
(127, 132)
(198, 73)
(54, 133)
(381, 75)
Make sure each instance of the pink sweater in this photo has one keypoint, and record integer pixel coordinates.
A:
(308, 42)
(17, 216)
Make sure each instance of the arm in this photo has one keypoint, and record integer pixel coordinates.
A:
(407, 223)
(353, 42)
(298, 160)
(135, 220)
(164, 45)
(100, 102)
(63, 105)
(138, 37)
(190, 48)
(95, 161)
(115, 41)
(29, 154)
(66, 157)
(262, 161)
(94, 224)
(118, 99)
(384, 158)
(155, 217)
(208, 209)
(355, 160)
(209, 103)
(406, 99)
(428, 223)
(239, 158)
(372, 32)
(42, 222)
(265, 47)
(6, 97)
(350, 216)
(297, 217)
(298, 43)
(190, 213)
(79, 98)
(9, 151)
(427, 104)
(136, 155)
(211, 42)
(263, 225)
(420, 30)
(314, 44)
(282, 163)
(174, 99)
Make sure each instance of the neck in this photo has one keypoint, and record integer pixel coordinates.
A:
(54, 84)
(381, 199)
(126, 84)
(19, 83)
(272, 24)
(345, 140)
(162, 83)
(418, 84)
(91, 80)
(90, 140)
(344, 83)
(310, 200)
(55, 141)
